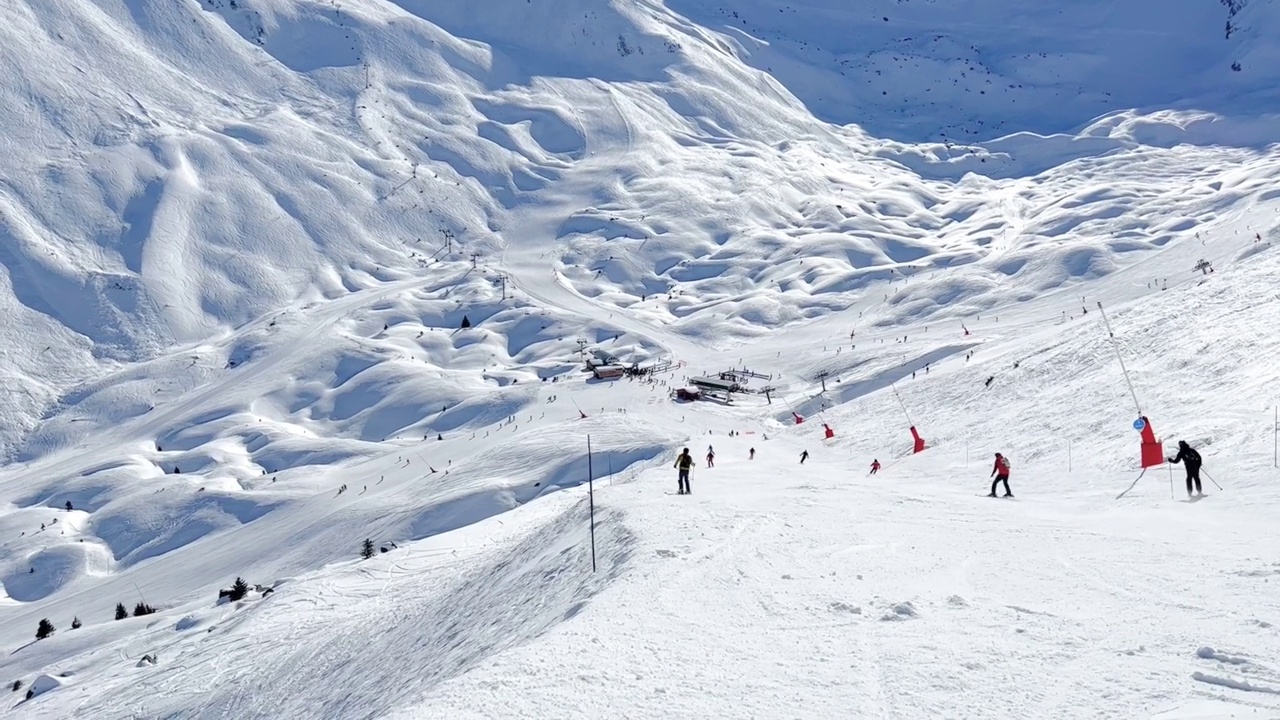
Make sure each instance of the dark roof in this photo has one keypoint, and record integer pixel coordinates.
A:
(714, 383)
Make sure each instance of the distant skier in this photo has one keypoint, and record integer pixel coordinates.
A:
(875, 466)
(990, 380)
(804, 456)
(1192, 460)
(752, 454)
(1001, 473)
(711, 457)
(684, 463)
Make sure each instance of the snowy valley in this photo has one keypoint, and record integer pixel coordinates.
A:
(280, 277)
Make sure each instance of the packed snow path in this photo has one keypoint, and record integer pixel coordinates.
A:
(779, 590)
(774, 590)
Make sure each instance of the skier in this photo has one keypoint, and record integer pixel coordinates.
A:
(804, 456)
(1192, 460)
(711, 457)
(875, 466)
(1001, 473)
(752, 455)
(684, 463)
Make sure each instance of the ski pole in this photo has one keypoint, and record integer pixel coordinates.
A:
(1215, 482)
(1173, 494)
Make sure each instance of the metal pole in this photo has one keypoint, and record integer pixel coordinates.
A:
(904, 405)
(1120, 357)
(1172, 493)
(591, 500)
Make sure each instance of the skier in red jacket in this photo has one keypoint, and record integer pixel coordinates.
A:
(875, 466)
(1001, 473)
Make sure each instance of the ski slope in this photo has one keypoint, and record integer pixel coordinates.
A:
(238, 241)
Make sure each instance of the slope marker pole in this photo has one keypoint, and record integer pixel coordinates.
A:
(591, 500)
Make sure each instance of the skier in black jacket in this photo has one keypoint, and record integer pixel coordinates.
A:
(684, 463)
(1191, 459)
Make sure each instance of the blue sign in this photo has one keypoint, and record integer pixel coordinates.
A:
(1139, 424)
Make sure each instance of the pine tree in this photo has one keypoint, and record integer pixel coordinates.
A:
(121, 612)
(69, 507)
(142, 609)
(44, 630)
(466, 322)
(75, 623)
(239, 589)
(16, 686)
(366, 552)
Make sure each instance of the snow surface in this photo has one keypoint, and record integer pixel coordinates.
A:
(238, 240)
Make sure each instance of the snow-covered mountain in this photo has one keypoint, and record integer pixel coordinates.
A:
(239, 240)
